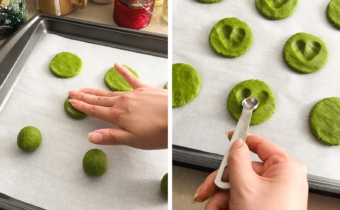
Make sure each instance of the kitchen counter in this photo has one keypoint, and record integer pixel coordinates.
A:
(103, 14)
(186, 181)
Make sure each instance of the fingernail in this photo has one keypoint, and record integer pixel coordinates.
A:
(95, 138)
(73, 93)
(237, 143)
(195, 198)
(73, 101)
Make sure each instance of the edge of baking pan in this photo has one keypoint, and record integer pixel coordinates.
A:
(15, 51)
(204, 161)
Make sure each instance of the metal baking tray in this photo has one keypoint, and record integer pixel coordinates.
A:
(16, 50)
(201, 160)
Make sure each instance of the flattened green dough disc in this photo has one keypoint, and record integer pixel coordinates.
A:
(333, 13)
(66, 65)
(186, 83)
(95, 162)
(305, 53)
(252, 88)
(276, 9)
(209, 1)
(324, 121)
(115, 82)
(231, 37)
(72, 112)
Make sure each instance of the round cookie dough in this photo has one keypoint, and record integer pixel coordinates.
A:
(231, 37)
(95, 162)
(164, 186)
(252, 88)
(186, 83)
(324, 121)
(29, 139)
(275, 10)
(73, 112)
(166, 86)
(115, 82)
(66, 64)
(333, 13)
(209, 1)
(305, 53)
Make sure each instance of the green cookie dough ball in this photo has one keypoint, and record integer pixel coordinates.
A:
(166, 86)
(324, 121)
(115, 82)
(29, 139)
(275, 9)
(256, 89)
(73, 112)
(231, 37)
(95, 162)
(333, 13)
(66, 65)
(164, 186)
(305, 53)
(209, 1)
(186, 83)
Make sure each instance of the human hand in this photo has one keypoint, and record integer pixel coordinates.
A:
(141, 115)
(279, 183)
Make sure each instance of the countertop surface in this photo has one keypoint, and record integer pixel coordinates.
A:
(103, 14)
(186, 181)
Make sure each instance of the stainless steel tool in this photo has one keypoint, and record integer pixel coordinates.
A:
(249, 105)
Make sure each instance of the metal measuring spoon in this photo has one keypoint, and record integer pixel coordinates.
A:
(249, 105)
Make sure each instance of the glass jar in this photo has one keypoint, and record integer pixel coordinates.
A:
(13, 13)
(135, 14)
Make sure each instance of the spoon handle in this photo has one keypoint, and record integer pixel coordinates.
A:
(239, 133)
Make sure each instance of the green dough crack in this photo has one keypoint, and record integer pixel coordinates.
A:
(186, 83)
(305, 53)
(324, 121)
(256, 89)
(276, 9)
(66, 64)
(333, 13)
(116, 82)
(231, 37)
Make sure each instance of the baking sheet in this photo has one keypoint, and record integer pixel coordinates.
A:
(201, 124)
(52, 177)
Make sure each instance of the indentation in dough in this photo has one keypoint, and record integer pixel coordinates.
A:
(277, 4)
(242, 94)
(306, 51)
(230, 35)
(262, 96)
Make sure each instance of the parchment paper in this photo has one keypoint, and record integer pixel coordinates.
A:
(201, 124)
(52, 177)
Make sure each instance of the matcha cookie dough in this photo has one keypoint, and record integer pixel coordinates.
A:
(305, 53)
(164, 186)
(95, 162)
(209, 1)
(29, 139)
(186, 83)
(115, 82)
(252, 88)
(333, 13)
(231, 37)
(166, 86)
(66, 65)
(324, 121)
(276, 9)
(72, 112)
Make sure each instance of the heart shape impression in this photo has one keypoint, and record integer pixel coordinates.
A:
(306, 51)
(277, 4)
(231, 35)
